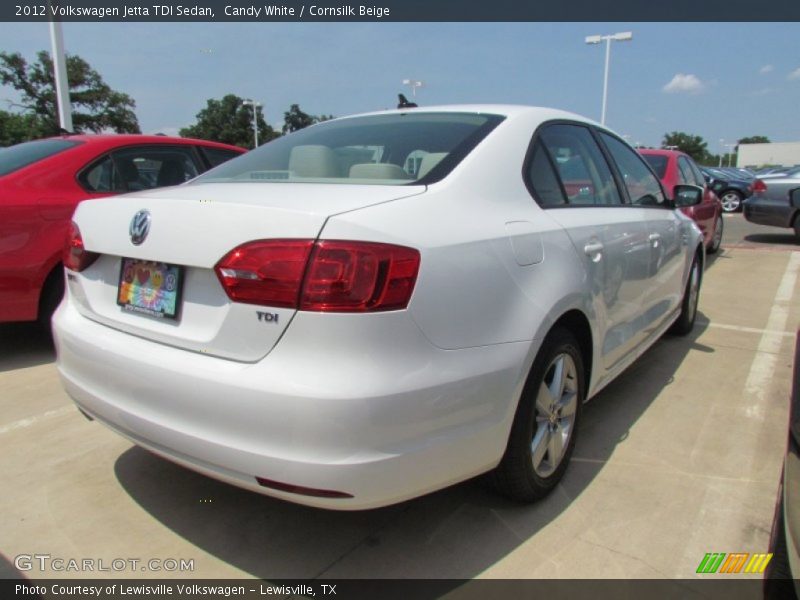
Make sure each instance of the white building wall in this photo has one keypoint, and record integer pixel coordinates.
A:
(776, 153)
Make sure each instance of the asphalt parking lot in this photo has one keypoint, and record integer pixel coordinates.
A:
(678, 457)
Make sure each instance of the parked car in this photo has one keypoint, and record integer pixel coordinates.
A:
(730, 190)
(777, 206)
(676, 168)
(331, 321)
(782, 578)
(42, 181)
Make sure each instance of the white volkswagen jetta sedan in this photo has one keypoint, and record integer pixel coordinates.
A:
(378, 306)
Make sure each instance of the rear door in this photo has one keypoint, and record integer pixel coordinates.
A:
(664, 287)
(571, 178)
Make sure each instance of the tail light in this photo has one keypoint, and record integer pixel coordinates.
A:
(328, 276)
(759, 186)
(267, 272)
(75, 257)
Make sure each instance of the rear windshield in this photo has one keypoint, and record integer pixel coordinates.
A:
(393, 149)
(658, 162)
(27, 153)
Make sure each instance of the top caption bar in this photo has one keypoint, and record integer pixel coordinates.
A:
(399, 10)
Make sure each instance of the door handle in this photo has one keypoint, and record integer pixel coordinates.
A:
(654, 237)
(593, 248)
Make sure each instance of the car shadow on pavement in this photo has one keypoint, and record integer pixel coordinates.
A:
(24, 345)
(455, 533)
(782, 239)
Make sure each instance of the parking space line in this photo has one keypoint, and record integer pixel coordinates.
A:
(790, 334)
(27, 422)
(765, 361)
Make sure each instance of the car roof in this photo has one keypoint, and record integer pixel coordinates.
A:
(505, 110)
(125, 139)
(661, 152)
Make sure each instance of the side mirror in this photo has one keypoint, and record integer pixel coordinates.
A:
(687, 195)
(794, 198)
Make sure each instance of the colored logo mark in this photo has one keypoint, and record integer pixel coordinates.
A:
(735, 562)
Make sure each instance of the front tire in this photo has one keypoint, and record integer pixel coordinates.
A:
(691, 295)
(544, 430)
(731, 201)
(716, 240)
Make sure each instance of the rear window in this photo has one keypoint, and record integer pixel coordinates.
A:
(27, 153)
(658, 162)
(392, 149)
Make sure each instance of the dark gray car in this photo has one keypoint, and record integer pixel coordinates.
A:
(777, 205)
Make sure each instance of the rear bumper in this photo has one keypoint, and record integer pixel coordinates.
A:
(765, 211)
(379, 414)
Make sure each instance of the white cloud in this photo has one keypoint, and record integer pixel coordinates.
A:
(766, 69)
(762, 91)
(688, 83)
(794, 75)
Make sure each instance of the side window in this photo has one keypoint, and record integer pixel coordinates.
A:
(584, 174)
(698, 176)
(643, 187)
(217, 156)
(135, 169)
(150, 167)
(100, 177)
(686, 175)
(544, 180)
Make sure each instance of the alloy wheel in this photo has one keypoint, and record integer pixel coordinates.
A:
(556, 404)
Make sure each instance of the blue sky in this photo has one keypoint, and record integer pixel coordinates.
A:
(718, 80)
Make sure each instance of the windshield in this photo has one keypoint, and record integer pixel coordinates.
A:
(390, 149)
(22, 155)
(658, 162)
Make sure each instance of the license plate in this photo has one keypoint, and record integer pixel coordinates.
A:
(150, 288)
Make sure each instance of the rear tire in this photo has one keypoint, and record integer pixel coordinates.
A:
(544, 430)
(731, 201)
(716, 239)
(52, 293)
(691, 295)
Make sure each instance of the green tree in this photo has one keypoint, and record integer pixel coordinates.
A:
(754, 139)
(16, 128)
(693, 145)
(295, 119)
(231, 122)
(95, 106)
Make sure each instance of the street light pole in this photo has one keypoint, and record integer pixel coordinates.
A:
(255, 106)
(722, 145)
(60, 75)
(624, 36)
(414, 85)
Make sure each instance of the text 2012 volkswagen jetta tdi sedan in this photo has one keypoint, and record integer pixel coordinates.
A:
(378, 306)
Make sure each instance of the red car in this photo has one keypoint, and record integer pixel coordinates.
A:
(42, 181)
(673, 168)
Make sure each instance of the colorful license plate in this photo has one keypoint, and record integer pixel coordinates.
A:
(150, 288)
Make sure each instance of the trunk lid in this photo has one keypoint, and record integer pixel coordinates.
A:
(193, 227)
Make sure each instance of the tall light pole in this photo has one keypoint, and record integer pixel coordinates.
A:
(624, 36)
(60, 69)
(414, 85)
(722, 145)
(729, 154)
(255, 106)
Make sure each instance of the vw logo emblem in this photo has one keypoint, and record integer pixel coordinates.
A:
(140, 227)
